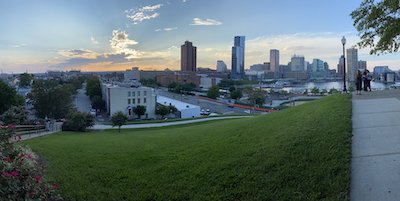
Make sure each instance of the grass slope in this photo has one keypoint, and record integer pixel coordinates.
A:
(301, 153)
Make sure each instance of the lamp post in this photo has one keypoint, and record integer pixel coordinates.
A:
(344, 65)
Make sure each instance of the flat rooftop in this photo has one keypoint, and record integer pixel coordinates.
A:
(178, 104)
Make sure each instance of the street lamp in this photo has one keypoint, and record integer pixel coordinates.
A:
(344, 65)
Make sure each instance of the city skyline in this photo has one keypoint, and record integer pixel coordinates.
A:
(107, 36)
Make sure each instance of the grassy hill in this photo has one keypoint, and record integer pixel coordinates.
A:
(301, 153)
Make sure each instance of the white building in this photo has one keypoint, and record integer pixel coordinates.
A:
(186, 110)
(207, 82)
(125, 97)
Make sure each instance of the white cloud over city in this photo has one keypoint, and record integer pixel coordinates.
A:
(166, 29)
(137, 15)
(205, 22)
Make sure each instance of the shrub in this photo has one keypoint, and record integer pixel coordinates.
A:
(21, 177)
(78, 121)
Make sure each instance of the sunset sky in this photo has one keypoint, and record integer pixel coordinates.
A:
(100, 35)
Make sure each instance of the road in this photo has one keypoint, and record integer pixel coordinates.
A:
(82, 101)
(205, 104)
(153, 125)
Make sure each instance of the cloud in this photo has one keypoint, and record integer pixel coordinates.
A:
(78, 53)
(94, 41)
(120, 44)
(19, 45)
(184, 1)
(145, 13)
(205, 22)
(121, 53)
(166, 29)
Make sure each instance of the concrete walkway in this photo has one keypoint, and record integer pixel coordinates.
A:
(153, 125)
(375, 167)
(35, 135)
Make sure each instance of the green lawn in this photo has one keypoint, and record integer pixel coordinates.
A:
(301, 153)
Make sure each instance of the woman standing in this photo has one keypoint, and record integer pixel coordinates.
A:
(358, 83)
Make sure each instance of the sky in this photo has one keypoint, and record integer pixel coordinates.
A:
(111, 35)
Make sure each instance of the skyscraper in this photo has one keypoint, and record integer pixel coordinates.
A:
(238, 58)
(318, 65)
(274, 61)
(352, 64)
(297, 63)
(188, 57)
(340, 66)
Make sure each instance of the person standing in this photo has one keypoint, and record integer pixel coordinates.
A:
(369, 79)
(358, 83)
(364, 79)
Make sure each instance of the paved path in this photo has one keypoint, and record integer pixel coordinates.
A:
(151, 125)
(375, 168)
(35, 135)
(82, 101)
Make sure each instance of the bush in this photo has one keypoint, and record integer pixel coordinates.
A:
(78, 121)
(21, 177)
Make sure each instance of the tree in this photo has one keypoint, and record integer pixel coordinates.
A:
(213, 92)
(162, 110)
(232, 89)
(315, 90)
(78, 121)
(187, 87)
(236, 94)
(256, 96)
(51, 99)
(97, 102)
(25, 80)
(119, 119)
(377, 23)
(139, 110)
(15, 115)
(93, 87)
(149, 83)
(8, 97)
(333, 91)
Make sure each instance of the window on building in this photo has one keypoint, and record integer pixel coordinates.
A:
(144, 93)
(133, 93)
(138, 101)
(130, 112)
(144, 100)
(133, 101)
(129, 101)
(138, 93)
(129, 94)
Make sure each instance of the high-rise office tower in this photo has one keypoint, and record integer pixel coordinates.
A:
(188, 57)
(340, 66)
(238, 58)
(274, 61)
(318, 65)
(297, 63)
(352, 64)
